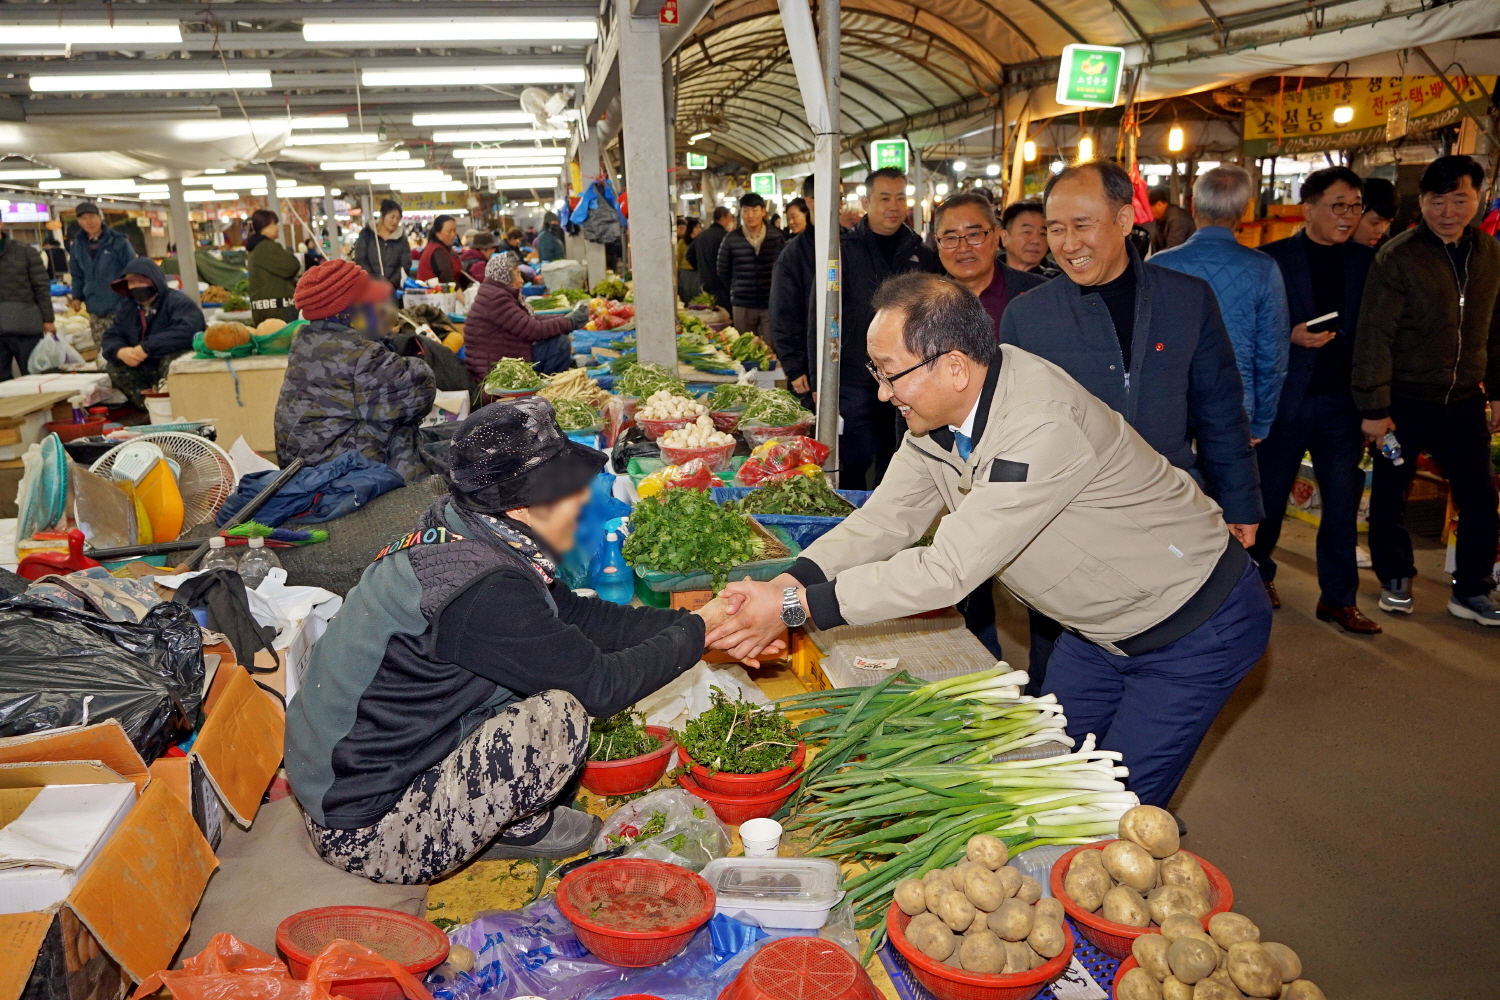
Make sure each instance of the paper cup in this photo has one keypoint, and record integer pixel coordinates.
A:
(761, 837)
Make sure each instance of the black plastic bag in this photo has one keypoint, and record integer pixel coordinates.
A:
(60, 667)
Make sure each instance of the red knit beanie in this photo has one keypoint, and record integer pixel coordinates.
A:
(333, 286)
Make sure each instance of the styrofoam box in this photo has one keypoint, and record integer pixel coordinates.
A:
(46, 850)
(781, 893)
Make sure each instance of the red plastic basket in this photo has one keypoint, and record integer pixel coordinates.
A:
(654, 429)
(400, 937)
(736, 809)
(716, 458)
(583, 891)
(1115, 939)
(801, 968)
(743, 784)
(945, 982)
(726, 420)
(633, 774)
(67, 430)
(1125, 966)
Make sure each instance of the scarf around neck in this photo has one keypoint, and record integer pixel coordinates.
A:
(514, 534)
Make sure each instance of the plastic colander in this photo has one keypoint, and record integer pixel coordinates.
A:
(801, 968)
(400, 937)
(584, 893)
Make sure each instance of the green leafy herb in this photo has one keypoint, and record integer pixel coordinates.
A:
(642, 380)
(621, 737)
(610, 288)
(732, 395)
(656, 824)
(677, 843)
(703, 299)
(809, 496)
(442, 923)
(512, 373)
(776, 408)
(738, 737)
(748, 347)
(575, 416)
(683, 531)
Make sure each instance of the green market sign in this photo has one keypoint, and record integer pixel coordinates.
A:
(697, 161)
(764, 184)
(888, 153)
(1090, 76)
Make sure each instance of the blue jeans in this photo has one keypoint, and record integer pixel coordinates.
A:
(1156, 707)
(553, 355)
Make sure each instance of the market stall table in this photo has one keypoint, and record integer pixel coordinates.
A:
(238, 394)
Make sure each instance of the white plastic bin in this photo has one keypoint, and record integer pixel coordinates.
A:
(781, 893)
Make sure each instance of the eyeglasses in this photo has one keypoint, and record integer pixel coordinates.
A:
(1344, 208)
(973, 239)
(886, 380)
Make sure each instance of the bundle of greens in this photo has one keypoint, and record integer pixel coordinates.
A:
(642, 380)
(610, 288)
(621, 737)
(703, 299)
(688, 323)
(511, 374)
(732, 395)
(738, 738)
(575, 416)
(748, 347)
(683, 531)
(808, 496)
(776, 408)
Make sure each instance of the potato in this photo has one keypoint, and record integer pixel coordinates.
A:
(1087, 886)
(952, 960)
(459, 957)
(1013, 920)
(1173, 988)
(1010, 879)
(1182, 925)
(1152, 829)
(982, 952)
(1086, 856)
(1130, 865)
(1286, 960)
(1049, 909)
(1046, 938)
(959, 873)
(931, 936)
(1214, 989)
(1253, 970)
(1017, 957)
(1166, 900)
(1124, 905)
(1150, 951)
(1183, 869)
(1030, 890)
(1231, 928)
(911, 896)
(1138, 984)
(1302, 989)
(933, 891)
(956, 910)
(1192, 959)
(981, 923)
(986, 850)
(984, 889)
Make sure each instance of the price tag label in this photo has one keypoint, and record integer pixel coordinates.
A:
(1076, 984)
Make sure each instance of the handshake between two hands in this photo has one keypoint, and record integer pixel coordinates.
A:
(745, 620)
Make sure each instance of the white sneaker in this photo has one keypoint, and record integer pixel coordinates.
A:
(1362, 557)
(1476, 609)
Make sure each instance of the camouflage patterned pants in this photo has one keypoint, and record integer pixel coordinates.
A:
(143, 377)
(503, 777)
(99, 326)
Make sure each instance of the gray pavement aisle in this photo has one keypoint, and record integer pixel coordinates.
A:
(1351, 789)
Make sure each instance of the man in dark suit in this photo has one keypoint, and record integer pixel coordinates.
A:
(1324, 272)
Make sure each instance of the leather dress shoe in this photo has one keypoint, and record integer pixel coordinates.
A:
(1350, 618)
(1271, 592)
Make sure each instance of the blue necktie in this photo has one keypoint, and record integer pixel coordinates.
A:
(965, 446)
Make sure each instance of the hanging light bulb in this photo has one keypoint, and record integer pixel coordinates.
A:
(1028, 151)
(942, 190)
(1175, 139)
(959, 166)
(1085, 149)
(992, 170)
(1343, 114)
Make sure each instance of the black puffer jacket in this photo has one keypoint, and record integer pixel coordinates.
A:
(864, 268)
(705, 251)
(389, 259)
(744, 272)
(25, 292)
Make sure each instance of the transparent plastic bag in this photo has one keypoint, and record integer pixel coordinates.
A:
(50, 354)
(667, 825)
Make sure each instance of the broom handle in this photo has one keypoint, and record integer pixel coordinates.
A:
(250, 509)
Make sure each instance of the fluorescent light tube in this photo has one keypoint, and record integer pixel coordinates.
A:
(516, 172)
(545, 153)
(525, 182)
(451, 29)
(32, 174)
(377, 177)
(531, 166)
(333, 139)
(419, 188)
(90, 33)
(211, 80)
(321, 121)
(470, 77)
(335, 165)
(499, 135)
(474, 118)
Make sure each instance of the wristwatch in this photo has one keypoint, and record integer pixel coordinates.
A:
(791, 608)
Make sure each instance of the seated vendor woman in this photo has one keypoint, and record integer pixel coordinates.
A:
(446, 710)
(154, 326)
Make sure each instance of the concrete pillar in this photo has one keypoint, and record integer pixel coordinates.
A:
(919, 215)
(651, 234)
(182, 235)
(588, 168)
(335, 243)
(273, 202)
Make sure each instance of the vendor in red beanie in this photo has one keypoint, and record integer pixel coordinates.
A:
(345, 388)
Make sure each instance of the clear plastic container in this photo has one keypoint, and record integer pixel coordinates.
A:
(257, 562)
(783, 893)
(218, 556)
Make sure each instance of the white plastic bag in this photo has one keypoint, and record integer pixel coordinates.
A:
(667, 825)
(691, 694)
(50, 354)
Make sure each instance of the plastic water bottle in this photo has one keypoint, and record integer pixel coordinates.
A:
(257, 562)
(218, 556)
(1391, 448)
(612, 576)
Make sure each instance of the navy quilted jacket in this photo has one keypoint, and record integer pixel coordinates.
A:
(1252, 301)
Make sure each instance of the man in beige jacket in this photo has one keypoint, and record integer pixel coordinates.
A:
(1053, 492)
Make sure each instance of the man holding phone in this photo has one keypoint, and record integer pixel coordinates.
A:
(1324, 274)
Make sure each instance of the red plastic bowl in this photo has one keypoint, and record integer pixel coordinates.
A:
(1115, 939)
(743, 784)
(400, 937)
(633, 774)
(1125, 966)
(654, 429)
(945, 982)
(726, 420)
(736, 809)
(801, 968)
(716, 458)
(582, 891)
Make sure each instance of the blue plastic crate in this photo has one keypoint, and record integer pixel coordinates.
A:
(804, 530)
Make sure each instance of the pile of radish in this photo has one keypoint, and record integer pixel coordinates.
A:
(701, 433)
(665, 405)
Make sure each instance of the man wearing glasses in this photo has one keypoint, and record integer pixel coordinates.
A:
(1052, 492)
(1323, 270)
(968, 242)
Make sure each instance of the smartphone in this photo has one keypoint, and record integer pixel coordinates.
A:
(1324, 323)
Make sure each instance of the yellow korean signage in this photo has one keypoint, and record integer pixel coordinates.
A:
(1354, 112)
